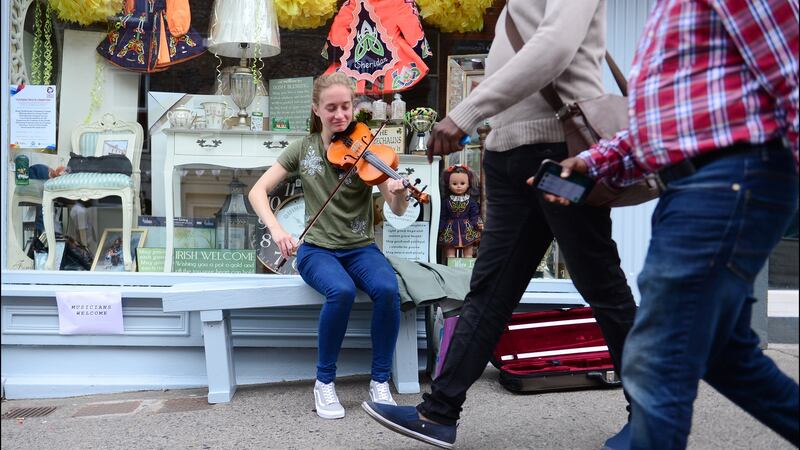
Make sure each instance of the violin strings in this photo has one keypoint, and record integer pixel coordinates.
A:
(377, 162)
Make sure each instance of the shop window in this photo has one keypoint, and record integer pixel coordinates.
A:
(93, 92)
(783, 265)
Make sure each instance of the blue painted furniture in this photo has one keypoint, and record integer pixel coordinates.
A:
(214, 301)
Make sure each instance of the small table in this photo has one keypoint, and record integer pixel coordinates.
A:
(235, 149)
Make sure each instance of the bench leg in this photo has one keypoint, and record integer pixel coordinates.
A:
(219, 356)
(405, 365)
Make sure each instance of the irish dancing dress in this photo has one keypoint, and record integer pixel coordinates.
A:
(378, 43)
(458, 225)
(151, 36)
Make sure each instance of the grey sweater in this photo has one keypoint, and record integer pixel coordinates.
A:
(565, 41)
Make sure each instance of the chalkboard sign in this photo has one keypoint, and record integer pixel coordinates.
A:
(290, 101)
(214, 260)
(150, 259)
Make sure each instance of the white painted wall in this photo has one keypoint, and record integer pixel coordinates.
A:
(631, 231)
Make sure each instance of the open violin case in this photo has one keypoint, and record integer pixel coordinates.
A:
(553, 351)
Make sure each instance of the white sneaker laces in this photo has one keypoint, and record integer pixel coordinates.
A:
(329, 393)
(382, 391)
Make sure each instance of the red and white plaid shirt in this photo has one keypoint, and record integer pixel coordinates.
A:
(707, 74)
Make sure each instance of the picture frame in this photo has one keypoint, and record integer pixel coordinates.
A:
(473, 79)
(108, 257)
(464, 73)
(114, 144)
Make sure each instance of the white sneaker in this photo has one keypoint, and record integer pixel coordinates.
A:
(380, 393)
(328, 406)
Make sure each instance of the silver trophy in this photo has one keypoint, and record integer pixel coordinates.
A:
(243, 91)
(422, 124)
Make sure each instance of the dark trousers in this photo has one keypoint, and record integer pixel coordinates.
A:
(520, 226)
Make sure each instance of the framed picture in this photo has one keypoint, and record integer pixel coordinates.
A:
(464, 73)
(474, 78)
(109, 251)
(114, 144)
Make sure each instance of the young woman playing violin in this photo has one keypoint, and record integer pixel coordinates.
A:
(338, 254)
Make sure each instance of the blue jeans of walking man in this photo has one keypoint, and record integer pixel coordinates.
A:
(712, 234)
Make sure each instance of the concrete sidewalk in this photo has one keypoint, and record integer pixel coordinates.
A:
(281, 416)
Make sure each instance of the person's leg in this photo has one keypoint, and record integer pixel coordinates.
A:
(750, 379)
(514, 240)
(373, 274)
(583, 234)
(321, 270)
(712, 232)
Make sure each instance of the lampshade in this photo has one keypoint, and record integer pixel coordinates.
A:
(251, 22)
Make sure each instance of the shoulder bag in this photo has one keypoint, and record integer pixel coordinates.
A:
(588, 121)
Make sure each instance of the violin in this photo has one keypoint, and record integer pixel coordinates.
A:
(374, 163)
(353, 150)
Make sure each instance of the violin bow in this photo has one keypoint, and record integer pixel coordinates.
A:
(281, 260)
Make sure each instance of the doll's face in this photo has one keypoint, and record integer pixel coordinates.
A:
(459, 183)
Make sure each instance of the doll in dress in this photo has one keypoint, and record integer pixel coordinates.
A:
(460, 224)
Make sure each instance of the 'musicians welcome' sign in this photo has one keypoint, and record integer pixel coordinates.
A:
(89, 312)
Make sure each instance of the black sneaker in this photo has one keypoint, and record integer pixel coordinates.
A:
(405, 420)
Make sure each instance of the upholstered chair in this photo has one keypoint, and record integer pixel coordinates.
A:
(88, 140)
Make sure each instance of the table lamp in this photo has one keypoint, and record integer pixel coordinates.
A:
(243, 29)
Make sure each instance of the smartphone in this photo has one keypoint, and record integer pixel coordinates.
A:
(574, 188)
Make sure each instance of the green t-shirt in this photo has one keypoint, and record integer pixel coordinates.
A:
(348, 219)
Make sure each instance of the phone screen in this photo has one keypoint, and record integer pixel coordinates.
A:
(574, 188)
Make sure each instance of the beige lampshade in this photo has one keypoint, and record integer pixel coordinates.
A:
(250, 22)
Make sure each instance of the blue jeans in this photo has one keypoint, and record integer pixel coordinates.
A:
(712, 234)
(336, 274)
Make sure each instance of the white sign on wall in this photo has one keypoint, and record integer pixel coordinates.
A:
(89, 312)
(33, 116)
(409, 243)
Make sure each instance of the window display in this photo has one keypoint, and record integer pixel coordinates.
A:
(149, 139)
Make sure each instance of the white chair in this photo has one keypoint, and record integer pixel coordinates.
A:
(86, 186)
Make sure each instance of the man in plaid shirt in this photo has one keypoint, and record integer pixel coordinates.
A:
(713, 106)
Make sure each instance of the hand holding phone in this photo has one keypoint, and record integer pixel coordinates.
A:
(574, 188)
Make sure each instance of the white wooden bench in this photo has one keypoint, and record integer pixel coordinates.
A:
(215, 300)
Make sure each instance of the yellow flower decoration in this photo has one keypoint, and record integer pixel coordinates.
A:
(86, 12)
(454, 16)
(304, 14)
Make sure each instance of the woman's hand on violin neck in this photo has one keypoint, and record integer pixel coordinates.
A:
(444, 138)
(285, 242)
(397, 187)
(395, 194)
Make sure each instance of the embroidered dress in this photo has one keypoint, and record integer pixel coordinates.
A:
(379, 43)
(151, 36)
(458, 226)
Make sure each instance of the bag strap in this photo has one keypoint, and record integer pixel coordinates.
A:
(549, 91)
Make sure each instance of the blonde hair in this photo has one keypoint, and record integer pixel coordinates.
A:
(324, 82)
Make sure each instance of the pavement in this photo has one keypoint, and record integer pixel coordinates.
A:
(281, 416)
